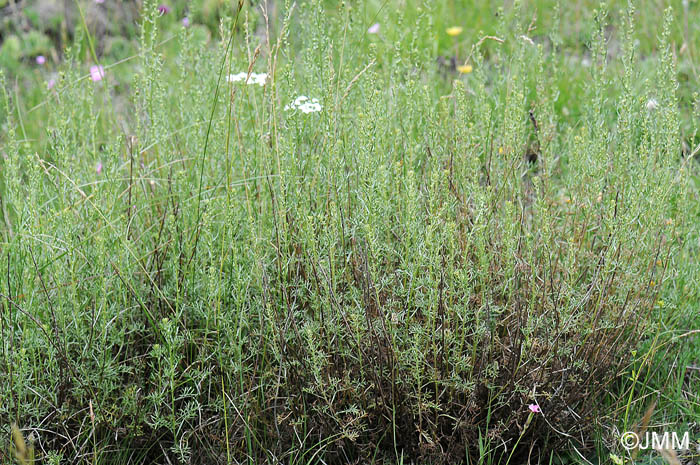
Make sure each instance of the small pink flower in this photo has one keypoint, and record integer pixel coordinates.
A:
(186, 21)
(51, 83)
(534, 408)
(99, 1)
(373, 29)
(163, 9)
(40, 60)
(98, 168)
(97, 72)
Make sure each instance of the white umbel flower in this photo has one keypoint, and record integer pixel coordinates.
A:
(236, 77)
(258, 78)
(255, 78)
(304, 104)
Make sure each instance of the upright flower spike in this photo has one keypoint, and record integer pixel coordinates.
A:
(454, 31)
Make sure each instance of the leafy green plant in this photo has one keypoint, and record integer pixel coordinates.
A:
(301, 244)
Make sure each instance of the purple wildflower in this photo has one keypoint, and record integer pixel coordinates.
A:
(97, 72)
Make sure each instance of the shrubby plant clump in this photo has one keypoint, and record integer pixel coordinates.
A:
(427, 267)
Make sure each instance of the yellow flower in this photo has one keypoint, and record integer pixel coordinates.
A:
(454, 31)
(500, 150)
(465, 69)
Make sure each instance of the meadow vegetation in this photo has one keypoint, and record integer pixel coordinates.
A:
(323, 232)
